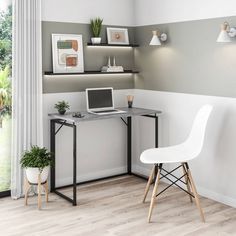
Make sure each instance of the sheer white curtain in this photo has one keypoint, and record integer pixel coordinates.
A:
(27, 85)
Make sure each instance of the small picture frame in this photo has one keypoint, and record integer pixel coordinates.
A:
(117, 36)
(67, 52)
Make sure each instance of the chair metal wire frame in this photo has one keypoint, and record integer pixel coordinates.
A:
(177, 179)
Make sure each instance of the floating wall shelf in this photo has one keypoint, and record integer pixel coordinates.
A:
(113, 45)
(93, 73)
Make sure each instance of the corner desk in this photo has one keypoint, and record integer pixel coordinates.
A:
(57, 121)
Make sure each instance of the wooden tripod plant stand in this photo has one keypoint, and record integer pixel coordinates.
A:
(28, 185)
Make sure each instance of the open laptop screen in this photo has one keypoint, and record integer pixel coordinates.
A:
(99, 98)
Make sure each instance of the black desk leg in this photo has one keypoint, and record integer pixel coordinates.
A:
(129, 145)
(156, 132)
(74, 166)
(156, 141)
(52, 149)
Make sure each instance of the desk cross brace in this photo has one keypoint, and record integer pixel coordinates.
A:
(124, 121)
(64, 122)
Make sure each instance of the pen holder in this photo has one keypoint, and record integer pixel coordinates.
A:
(130, 99)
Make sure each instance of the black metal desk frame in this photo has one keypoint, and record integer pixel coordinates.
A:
(73, 125)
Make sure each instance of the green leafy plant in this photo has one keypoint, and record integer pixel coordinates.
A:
(96, 26)
(37, 158)
(5, 93)
(62, 106)
(6, 38)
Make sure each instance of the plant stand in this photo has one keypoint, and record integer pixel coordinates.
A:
(28, 185)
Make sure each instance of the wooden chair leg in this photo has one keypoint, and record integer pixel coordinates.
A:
(46, 190)
(187, 182)
(39, 192)
(27, 187)
(149, 183)
(154, 193)
(195, 193)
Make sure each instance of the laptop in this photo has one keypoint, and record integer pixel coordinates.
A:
(100, 101)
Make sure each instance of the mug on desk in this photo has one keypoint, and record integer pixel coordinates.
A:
(130, 99)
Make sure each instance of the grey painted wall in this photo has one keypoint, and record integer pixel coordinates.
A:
(190, 61)
(94, 59)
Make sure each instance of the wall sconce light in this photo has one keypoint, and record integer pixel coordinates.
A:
(157, 38)
(226, 33)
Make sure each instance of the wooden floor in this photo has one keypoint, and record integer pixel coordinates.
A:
(114, 208)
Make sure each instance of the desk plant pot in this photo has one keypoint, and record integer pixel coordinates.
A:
(96, 27)
(33, 173)
(62, 106)
(36, 161)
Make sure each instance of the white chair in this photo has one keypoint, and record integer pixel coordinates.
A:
(181, 153)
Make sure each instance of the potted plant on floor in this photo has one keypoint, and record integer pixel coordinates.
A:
(62, 106)
(36, 161)
(96, 26)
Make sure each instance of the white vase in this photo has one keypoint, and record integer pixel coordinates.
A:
(96, 40)
(32, 174)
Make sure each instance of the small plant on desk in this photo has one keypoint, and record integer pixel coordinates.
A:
(62, 106)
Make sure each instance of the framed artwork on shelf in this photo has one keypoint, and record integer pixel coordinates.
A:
(67, 53)
(117, 36)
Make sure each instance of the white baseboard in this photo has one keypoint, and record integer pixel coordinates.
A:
(140, 170)
(216, 196)
(91, 176)
(146, 171)
(201, 191)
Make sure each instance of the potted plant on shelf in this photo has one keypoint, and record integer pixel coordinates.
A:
(36, 161)
(62, 106)
(96, 26)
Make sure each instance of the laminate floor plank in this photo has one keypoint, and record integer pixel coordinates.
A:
(114, 207)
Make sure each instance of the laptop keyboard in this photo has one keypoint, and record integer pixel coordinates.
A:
(99, 112)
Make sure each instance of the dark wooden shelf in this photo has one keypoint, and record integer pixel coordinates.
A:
(92, 73)
(113, 45)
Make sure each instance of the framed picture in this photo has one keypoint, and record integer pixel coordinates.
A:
(67, 52)
(117, 36)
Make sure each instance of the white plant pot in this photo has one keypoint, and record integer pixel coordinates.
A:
(32, 174)
(96, 40)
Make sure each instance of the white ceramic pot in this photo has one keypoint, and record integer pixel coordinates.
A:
(32, 174)
(96, 40)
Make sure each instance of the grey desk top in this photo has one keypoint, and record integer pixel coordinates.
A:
(89, 116)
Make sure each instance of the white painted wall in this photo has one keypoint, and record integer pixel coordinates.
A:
(167, 11)
(214, 169)
(81, 11)
(101, 144)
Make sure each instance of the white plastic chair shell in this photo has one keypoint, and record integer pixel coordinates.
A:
(185, 151)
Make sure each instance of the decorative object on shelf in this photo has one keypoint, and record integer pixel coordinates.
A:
(130, 99)
(67, 51)
(157, 38)
(117, 36)
(113, 68)
(226, 33)
(109, 62)
(96, 26)
(62, 106)
(36, 163)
